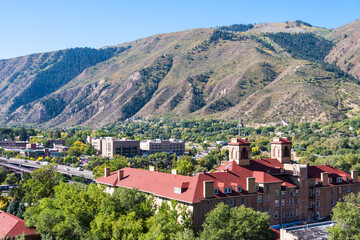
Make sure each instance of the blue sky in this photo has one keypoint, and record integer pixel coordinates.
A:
(30, 26)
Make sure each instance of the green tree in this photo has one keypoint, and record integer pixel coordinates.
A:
(3, 174)
(224, 222)
(41, 184)
(12, 179)
(347, 218)
(57, 134)
(22, 134)
(170, 222)
(68, 214)
(185, 165)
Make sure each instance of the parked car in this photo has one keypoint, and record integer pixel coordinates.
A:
(37, 163)
(67, 169)
(25, 160)
(79, 168)
(45, 163)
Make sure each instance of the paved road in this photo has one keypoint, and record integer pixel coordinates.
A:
(61, 168)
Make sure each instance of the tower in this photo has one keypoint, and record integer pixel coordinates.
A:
(239, 151)
(281, 149)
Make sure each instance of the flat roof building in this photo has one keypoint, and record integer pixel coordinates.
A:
(158, 145)
(109, 147)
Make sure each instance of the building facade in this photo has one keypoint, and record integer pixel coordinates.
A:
(109, 147)
(170, 146)
(287, 191)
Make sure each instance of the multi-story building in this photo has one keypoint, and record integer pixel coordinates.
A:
(170, 146)
(109, 147)
(286, 190)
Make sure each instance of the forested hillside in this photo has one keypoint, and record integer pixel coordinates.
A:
(258, 72)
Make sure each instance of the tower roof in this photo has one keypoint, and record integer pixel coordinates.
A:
(238, 141)
(280, 140)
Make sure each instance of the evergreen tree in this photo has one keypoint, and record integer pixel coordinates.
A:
(23, 135)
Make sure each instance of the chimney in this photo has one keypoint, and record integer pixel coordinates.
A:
(325, 178)
(250, 184)
(208, 188)
(107, 172)
(174, 171)
(354, 175)
(120, 175)
(151, 168)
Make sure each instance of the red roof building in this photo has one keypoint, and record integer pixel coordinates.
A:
(287, 191)
(12, 226)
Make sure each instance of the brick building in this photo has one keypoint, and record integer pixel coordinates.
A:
(286, 190)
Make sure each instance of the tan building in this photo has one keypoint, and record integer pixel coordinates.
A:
(287, 191)
(170, 146)
(109, 147)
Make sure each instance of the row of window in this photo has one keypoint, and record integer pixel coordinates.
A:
(290, 213)
(283, 202)
(338, 180)
(229, 189)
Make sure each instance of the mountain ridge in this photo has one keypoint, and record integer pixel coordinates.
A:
(213, 73)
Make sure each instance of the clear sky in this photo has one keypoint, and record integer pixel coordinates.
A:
(30, 26)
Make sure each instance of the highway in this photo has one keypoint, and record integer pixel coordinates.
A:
(71, 171)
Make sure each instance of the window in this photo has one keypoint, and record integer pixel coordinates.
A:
(242, 201)
(208, 203)
(348, 189)
(332, 202)
(276, 192)
(318, 203)
(310, 193)
(318, 192)
(232, 202)
(239, 189)
(227, 190)
(318, 214)
(216, 191)
(267, 187)
(297, 212)
(340, 189)
(339, 179)
(310, 183)
(276, 203)
(297, 201)
(330, 180)
(340, 199)
(268, 210)
(297, 191)
(257, 187)
(310, 204)
(347, 178)
(259, 209)
(282, 214)
(259, 199)
(268, 198)
(332, 191)
(316, 181)
(276, 214)
(282, 202)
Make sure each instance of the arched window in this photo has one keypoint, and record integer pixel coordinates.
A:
(244, 154)
(286, 152)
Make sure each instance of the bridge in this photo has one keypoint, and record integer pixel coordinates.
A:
(21, 165)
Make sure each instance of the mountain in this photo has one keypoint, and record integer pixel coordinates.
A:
(256, 72)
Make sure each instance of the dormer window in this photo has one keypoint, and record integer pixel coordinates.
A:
(330, 180)
(227, 190)
(257, 187)
(239, 189)
(216, 191)
(347, 178)
(316, 181)
(339, 179)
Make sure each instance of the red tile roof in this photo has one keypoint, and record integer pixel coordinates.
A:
(281, 140)
(315, 172)
(240, 141)
(11, 226)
